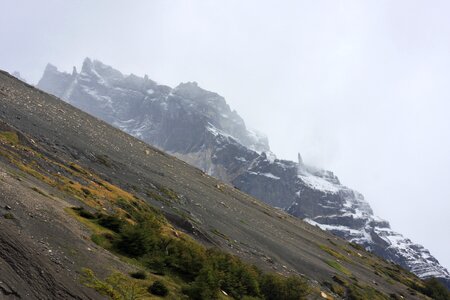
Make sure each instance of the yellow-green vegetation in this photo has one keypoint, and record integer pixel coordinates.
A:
(435, 289)
(39, 191)
(353, 290)
(220, 234)
(155, 246)
(140, 234)
(169, 193)
(333, 253)
(394, 273)
(337, 266)
(117, 286)
(9, 137)
(9, 216)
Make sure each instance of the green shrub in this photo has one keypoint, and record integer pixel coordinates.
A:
(103, 240)
(158, 288)
(186, 258)
(275, 287)
(205, 287)
(435, 289)
(137, 240)
(86, 191)
(111, 222)
(139, 275)
(82, 212)
(155, 263)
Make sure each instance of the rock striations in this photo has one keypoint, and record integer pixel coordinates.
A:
(199, 127)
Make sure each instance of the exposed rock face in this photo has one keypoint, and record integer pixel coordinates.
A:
(187, 121)
(199, 127)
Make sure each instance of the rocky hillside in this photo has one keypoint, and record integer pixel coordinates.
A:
(199, 127)
(88, 212)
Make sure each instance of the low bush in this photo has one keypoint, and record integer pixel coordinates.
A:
(82, 212)
(137, 240)
(435, 289)
(139, 275)
(158, 288)
(113, 223)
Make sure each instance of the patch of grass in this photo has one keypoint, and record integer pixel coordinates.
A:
(363, 292)
(9, 216)
(169, 193)
(10, 137)
(355, 291)
(356, 246)
(82, 212)
(154, 195)
(116, 286)
(89, 223)
(220, 234)
(396, 273)
(337, 266)
(104, 240)
(331, 242)
(338, 289)
(333, 253)
(37, 190)
(29, 169)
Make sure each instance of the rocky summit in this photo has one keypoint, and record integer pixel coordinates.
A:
(199, 127)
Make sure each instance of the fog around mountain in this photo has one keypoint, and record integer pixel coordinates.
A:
(358, 88)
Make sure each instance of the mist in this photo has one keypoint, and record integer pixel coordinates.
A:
(357, 87)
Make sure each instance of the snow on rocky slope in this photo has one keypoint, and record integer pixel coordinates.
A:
(199, 127)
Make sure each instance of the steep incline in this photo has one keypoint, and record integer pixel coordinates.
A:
(198, 126)
(61, 140)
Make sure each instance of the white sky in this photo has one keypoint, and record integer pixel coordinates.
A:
(359, 87)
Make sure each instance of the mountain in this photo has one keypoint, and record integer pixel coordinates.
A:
(198, 127)
(87, 208)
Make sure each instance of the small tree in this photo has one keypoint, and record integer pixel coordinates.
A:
(158, 288)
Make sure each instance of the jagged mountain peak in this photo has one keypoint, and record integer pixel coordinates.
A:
(119, 99)
(87, 64)
(103, 73)
(191, 91)
(50, 68)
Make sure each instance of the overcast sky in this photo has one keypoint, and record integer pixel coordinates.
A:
(361, 88)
